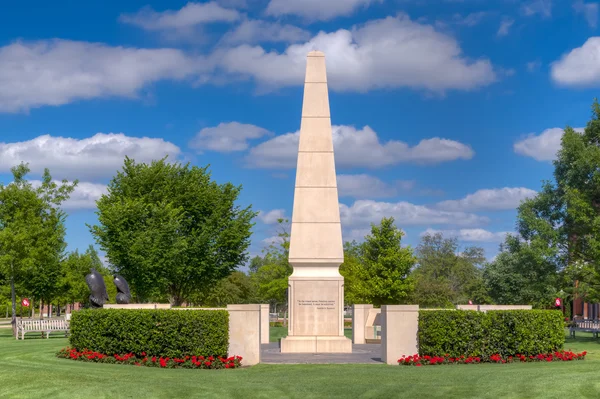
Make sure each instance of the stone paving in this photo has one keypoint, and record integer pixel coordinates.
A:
(361, 354)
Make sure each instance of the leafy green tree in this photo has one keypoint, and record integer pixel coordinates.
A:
(522, 274)
(169, 229)
(32, 234)
(75, 267)
(562, 222)
(380, 274)
(445, 276)
(237, 288)
(271, 277)
(354, 274)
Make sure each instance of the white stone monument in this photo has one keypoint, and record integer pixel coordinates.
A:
(316, 288)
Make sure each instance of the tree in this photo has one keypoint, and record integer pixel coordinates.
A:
(562, 222)
(272, 276)
(237, 288)
(32, 233)
(75, 267)
(380, 275)
(169, 229)
(522, 274)
(445, 277)
(354, 274)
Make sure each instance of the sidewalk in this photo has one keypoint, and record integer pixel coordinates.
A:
(361, 354)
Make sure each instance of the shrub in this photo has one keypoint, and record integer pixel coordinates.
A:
(168, 333)
(276, 324)
(498, 332)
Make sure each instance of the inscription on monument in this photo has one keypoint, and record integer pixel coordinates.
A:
(319, 303)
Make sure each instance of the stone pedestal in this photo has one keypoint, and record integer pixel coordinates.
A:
(316, 288)
(244, 333)
(399, 329)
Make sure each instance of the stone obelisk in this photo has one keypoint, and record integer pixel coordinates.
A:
(316, 288)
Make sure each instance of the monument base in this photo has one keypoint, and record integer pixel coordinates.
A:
(315, 344)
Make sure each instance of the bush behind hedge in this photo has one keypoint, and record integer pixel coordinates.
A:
(160, 332)
(503, 332)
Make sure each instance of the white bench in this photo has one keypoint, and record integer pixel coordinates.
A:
(41, 326)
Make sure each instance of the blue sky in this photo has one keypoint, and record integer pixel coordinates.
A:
(446, 113)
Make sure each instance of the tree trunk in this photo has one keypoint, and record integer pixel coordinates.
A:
(14, 304)
(41, 309)
(49, 309)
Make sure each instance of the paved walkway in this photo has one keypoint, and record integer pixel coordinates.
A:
(368, 353)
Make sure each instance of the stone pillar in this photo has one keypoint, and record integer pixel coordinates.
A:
(316, 288)
(399, 327)
(264, 323)
(244, 333)
(359, 320)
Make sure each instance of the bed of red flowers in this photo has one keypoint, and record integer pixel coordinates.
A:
(187, 362)
(562, 356)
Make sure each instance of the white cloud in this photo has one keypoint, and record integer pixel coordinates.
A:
(579, 67)
(364, 212)
(271, 217)
(84, 196)
(367, 186)
(227, 137)
(489, 200)
(533, 66)
(91, 158)
(534, 7)
(505, 26)
(190, 15)
(316, 9)
(470, 235)
(542, 147)
(256, 31)
(273, 240)
(359, 148)
(589, 11)
(412, 55)
(56, 72)
(471, 19)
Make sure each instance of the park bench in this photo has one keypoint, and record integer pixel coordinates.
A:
(41, 326)
(592, 326)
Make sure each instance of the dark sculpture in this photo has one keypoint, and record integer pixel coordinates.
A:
(123, 294)
(95, 283)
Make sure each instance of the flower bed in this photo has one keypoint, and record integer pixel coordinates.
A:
(559, 356)
(187, 362)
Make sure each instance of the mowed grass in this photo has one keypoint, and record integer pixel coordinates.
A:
(29, 369)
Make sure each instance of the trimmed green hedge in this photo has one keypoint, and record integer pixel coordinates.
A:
(172, 333)
(504, 332)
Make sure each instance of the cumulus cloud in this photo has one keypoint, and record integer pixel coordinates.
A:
(359, 148)
(227, 137)
(470, 235)
(589, 11)
(364, 212)
(99, 156)
(413, 55)
(56, 72)
(84, 196)
(190, 15)
(489, 200)
(256, 31)
(542, 147)
(271, 217)
(580, 66)
(316, 9)
(273, 240)
(367, 186)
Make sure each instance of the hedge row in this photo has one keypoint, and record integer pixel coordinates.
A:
(479, 334)
(172, 333)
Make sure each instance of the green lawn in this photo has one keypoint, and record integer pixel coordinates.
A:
(28, 369)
